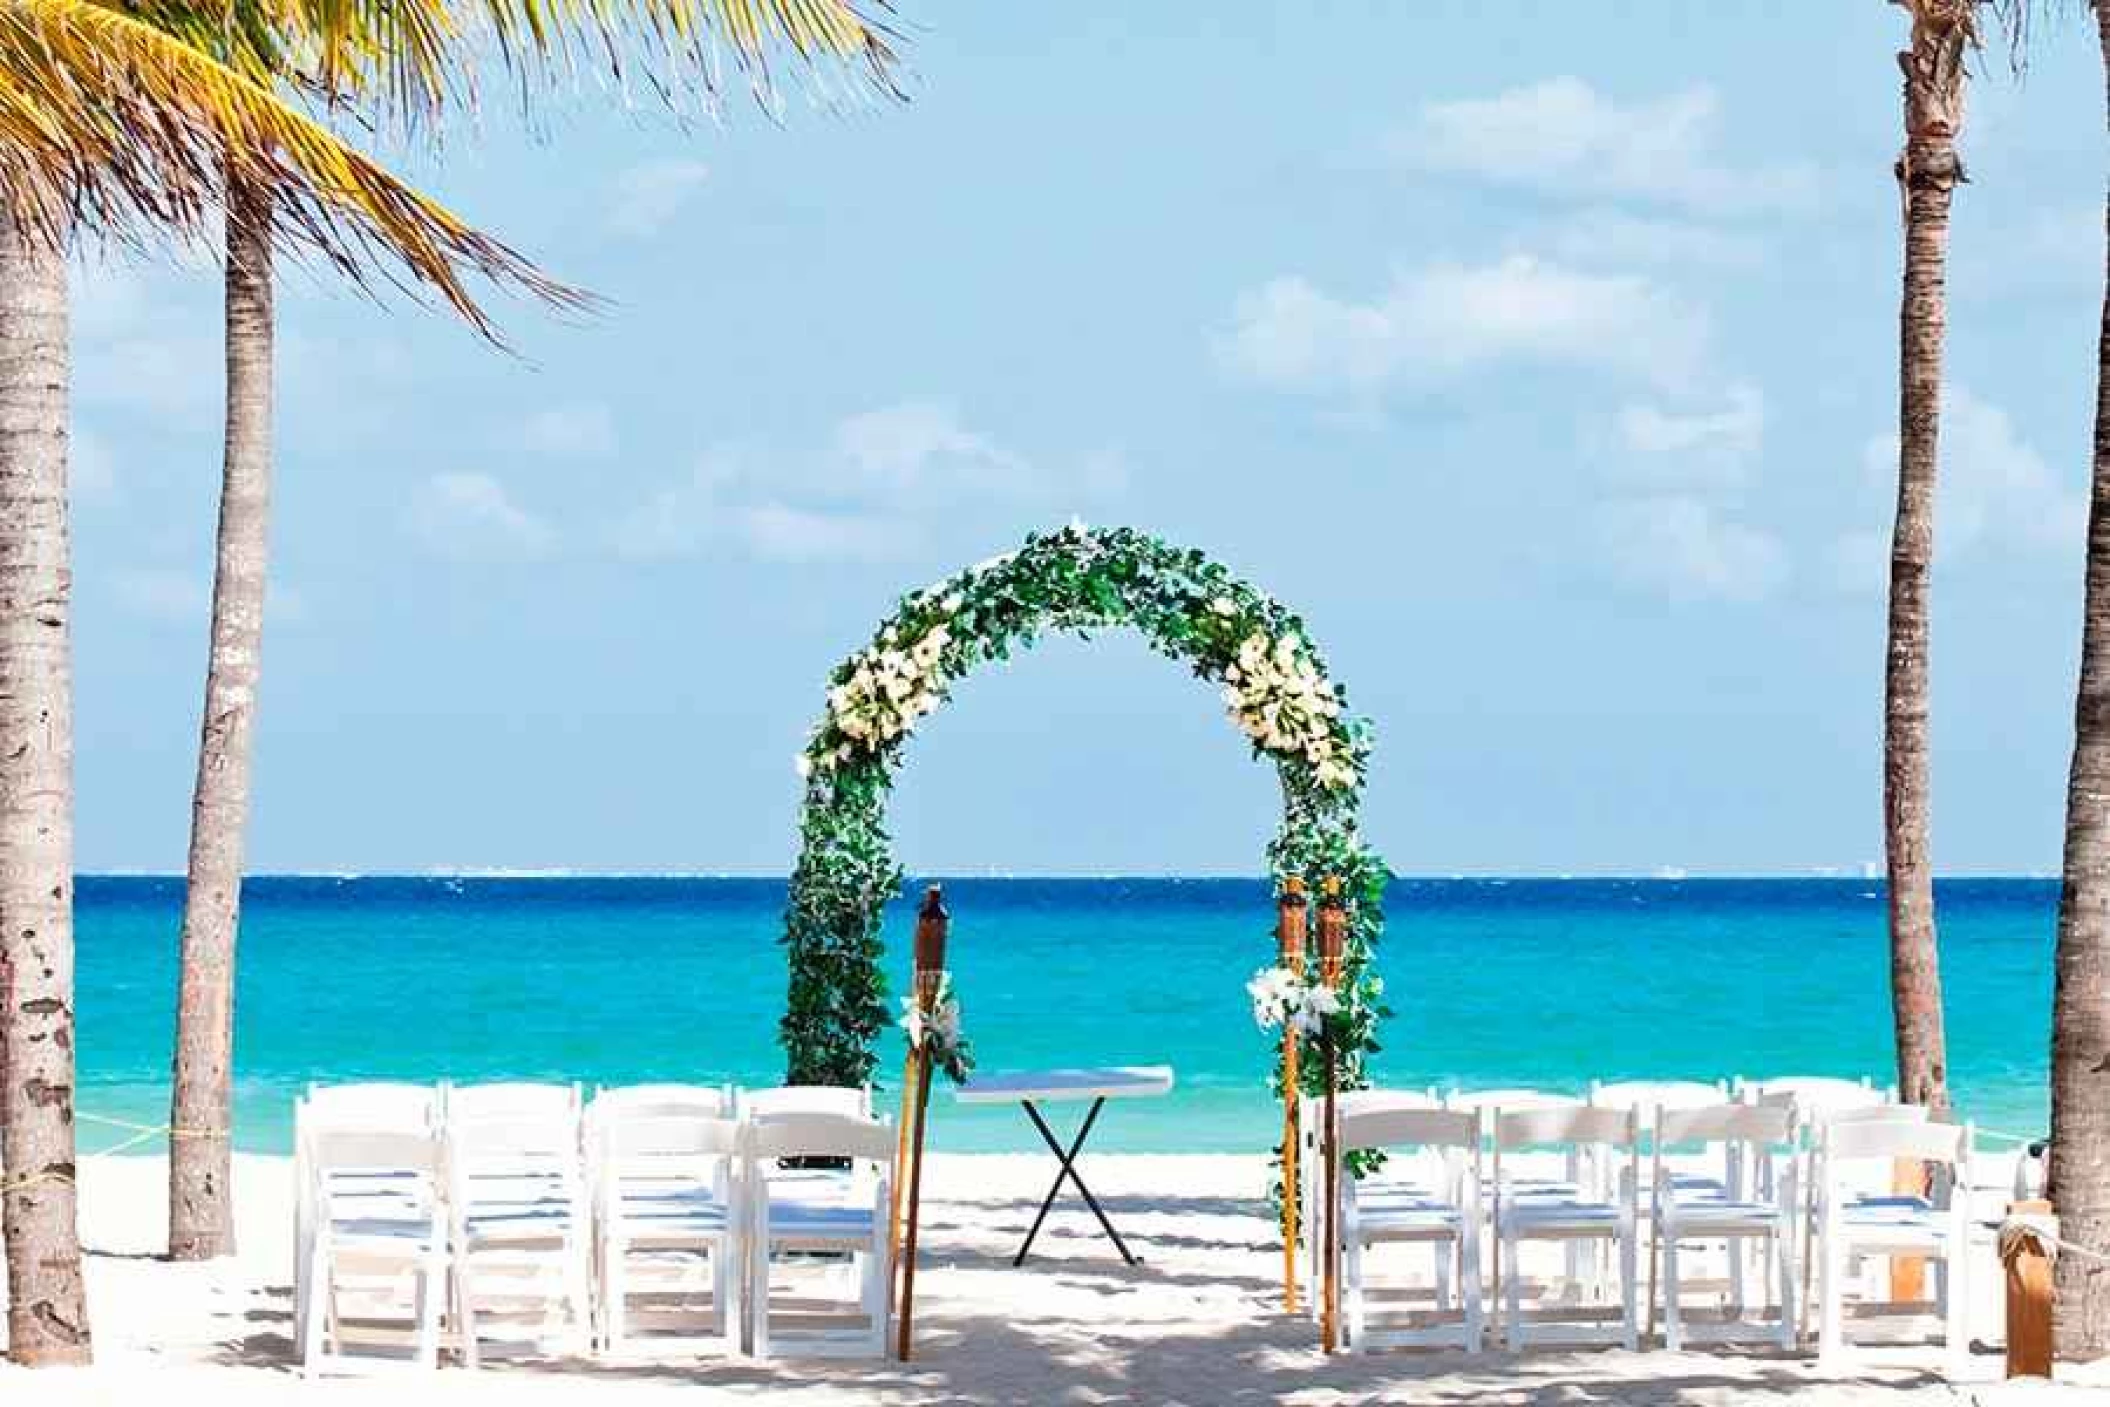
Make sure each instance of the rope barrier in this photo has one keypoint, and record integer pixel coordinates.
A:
(140, 1133)
(2003, 1137)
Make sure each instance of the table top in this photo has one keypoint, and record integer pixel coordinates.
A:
(1081, 1082)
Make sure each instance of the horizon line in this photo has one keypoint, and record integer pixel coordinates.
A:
(1658, 876)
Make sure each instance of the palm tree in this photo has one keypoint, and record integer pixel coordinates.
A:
(1928, 170)
(2080, 1014)
(423, 61)
(111, 124)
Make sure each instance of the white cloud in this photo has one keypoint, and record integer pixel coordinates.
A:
(1563, 137)
(1695, 447)
(1993, 491)
(786, 533)
(582, 431)
(157, 594)
(1599, 237)
(471, 516)
(906, 447)
(1686, 547)
(648, 196)
(867, 494)
(1447, 320)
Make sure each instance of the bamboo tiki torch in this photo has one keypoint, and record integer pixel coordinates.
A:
(931, 924)
(1333, 939)
(1290, 925)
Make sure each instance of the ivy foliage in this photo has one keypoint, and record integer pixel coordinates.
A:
(1189, 608)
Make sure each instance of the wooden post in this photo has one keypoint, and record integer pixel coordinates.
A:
(931, 924)
(1333, 934)
(2027, 1257)
(1290, 926)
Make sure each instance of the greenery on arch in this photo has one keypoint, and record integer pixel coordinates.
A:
(1189, 608)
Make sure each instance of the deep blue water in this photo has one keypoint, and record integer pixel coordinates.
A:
(1540, 982)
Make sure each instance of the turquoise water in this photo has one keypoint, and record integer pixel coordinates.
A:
(1534, 982)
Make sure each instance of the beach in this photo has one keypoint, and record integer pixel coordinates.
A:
(1198, 1322)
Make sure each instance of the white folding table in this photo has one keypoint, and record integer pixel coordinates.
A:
(1032, 1088)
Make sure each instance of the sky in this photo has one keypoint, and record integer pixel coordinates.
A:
(1544, 357)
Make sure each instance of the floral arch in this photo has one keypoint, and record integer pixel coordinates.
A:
(1080, 579)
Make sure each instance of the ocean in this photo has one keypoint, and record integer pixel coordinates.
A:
(1538, 982)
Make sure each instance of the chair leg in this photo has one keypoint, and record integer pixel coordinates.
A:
(1955, 1310)
(1469, 1286)
(1630, 1288)
(1831, 1321)
(758, 1296)
(465, 1312)
(1790, 1328)
(432, 1293)
(1514, 1334)
(1673, 1319)
(615, 1297)
(1352, 1291)
(872, 1287)
(725, 1308)
(320, 1273)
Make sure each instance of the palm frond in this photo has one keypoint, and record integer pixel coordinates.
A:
(104, 117)
(417, 55)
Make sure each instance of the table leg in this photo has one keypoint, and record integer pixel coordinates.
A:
(1069, 1173)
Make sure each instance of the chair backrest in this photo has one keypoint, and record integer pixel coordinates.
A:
(1507, 1099)
(710, 1101)
(512, 1099)
(372, 1104)
(1726, 1123)
(1876, 1114)
(1649, 1096)
(1892, 1139)
(626, 1139)
(1818, 1097)
(1573, 1123)
(1410, 1128)
(339, 1151)
(810, 1134)
(852, 1100)
(1355, 1101)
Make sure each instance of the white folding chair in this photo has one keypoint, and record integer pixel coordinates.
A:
(377, 1250)
(1934, 1225)
(1645, 1097)
(797, 1216)
(667, 1221)
(1566, 1212)
(520, 1216)
(1311, 1169)
(852, 1100)
(1429, 1194)
(1698, 1207)
(374, 1107)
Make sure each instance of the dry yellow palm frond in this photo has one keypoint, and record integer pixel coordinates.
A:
(416, 54)
(105, 117)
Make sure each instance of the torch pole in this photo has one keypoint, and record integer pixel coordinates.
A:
(1333, 931)
(1290, 925)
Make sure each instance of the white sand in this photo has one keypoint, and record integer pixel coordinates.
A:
(1199, 1322)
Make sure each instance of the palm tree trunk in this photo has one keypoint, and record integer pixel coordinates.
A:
(1927, 174)
(2080, 1011)
(201, 1203)
(47, 1310)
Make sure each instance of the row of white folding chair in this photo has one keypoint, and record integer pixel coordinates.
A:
(678, 1182)
(509, 1184)
(1445, 1212)
(1746, 1203)
(519, 1223)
